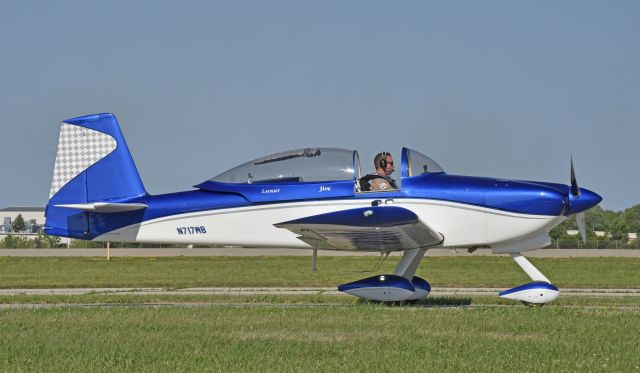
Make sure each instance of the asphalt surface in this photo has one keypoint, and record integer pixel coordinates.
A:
(237, 251)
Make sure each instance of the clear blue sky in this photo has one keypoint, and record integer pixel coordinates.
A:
(495, 88)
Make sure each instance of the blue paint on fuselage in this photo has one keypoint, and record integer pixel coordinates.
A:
(188, 201)
(523, 197)
(166, 205)
(506, 195)
(88, 225)
(283, 192)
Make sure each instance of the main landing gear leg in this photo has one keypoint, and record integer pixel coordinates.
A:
(538, 292)
(401, 286)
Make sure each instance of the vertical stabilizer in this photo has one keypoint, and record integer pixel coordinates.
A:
(93, 164)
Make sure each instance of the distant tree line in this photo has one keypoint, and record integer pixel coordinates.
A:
(41, 241)
(614, 225)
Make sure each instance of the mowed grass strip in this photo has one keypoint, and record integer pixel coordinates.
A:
(312, 299)
(331, 338)
(181, 272)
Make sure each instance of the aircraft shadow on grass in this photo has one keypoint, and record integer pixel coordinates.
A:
(444, 301)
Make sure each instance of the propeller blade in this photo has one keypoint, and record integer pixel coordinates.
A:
(575, 191)
(581, 226)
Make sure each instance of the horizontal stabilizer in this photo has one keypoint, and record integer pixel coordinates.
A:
(376, 228)
(105, 207)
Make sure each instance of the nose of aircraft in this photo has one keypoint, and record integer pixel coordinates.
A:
(583, 201)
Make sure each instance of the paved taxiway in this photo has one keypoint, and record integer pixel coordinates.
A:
(238, 251)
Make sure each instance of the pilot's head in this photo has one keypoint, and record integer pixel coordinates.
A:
(384, 163)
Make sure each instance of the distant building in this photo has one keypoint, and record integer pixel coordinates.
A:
(630, 236)
(33, 219)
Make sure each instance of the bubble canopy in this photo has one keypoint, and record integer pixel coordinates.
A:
(295, 166)
(415, 163)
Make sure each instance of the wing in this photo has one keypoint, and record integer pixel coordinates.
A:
(376, 228)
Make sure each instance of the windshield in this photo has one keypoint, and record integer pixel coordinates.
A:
(295, 166)
(418, 164)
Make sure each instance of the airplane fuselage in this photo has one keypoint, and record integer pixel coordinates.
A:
(471, 212)
(254, 225)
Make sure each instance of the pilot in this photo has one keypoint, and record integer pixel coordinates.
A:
(381, 181)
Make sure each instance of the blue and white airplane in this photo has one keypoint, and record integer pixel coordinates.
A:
(310, 198)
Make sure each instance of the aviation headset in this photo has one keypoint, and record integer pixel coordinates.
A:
(383, 160)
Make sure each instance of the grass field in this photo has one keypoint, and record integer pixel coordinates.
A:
(115, 332)
(320, 338)
(180, 272)
(312, 299)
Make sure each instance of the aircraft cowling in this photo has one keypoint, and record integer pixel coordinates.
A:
(524, 197)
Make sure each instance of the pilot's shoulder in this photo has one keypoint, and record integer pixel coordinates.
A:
(380, 184)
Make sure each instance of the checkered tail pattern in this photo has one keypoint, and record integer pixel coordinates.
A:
(78, 149)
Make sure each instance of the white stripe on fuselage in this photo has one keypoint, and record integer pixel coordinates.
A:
(460, 224)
